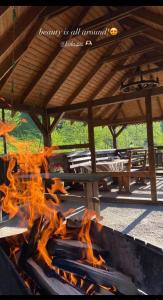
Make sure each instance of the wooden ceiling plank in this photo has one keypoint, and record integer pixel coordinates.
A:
(52, 57)
(159, 104)
(67, 72)
(115, 112)
(6, 65)
(116, 86)
(85, 82)
(140, 108)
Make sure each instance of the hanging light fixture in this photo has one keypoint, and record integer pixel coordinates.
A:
(140, 84)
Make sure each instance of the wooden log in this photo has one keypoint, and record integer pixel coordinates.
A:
(98, 276)
(72, 249)
(49, 280)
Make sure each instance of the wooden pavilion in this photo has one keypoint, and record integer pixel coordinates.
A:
(40, 76)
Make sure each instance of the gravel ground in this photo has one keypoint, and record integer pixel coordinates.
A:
(141, 221)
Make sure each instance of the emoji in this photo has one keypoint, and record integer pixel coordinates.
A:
(113, 31)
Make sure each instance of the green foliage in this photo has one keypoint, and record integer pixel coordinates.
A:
(25, 130)
(131, 136)
(77, 133)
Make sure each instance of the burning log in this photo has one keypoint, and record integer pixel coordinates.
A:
(72, 249)
(98, 276)
(50, 281)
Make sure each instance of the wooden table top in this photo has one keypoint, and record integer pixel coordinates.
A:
(78, 177)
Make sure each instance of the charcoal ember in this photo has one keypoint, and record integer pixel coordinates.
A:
(70, 248)
(49, 280)
(98, 276)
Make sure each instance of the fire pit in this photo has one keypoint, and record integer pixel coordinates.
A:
(130, 263)
(56, 253)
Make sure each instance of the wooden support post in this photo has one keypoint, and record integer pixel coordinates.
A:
(115, 134)
(4, 138)
(114, 142)
(151, 152)
(47, 132)
(91, 139)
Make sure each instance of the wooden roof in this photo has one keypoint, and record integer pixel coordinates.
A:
(46, 75)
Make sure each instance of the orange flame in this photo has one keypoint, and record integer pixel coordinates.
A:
(30, 193)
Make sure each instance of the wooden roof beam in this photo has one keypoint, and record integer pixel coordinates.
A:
(120, 130)
(153, 34)
(3, 9)
(107, 100)
(143, 61)
(126, 121)
(122, 13)
(133, 51)
(38, 123)
(21, 25)
(53, 11)
(6, 77)
(125, 34)
(51, 59)
(145, 14)
(20, 107)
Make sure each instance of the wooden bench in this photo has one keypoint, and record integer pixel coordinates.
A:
(80, 160)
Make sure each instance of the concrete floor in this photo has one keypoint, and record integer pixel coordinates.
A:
(144, 222)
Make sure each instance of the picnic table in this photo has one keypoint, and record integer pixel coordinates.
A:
(115, 165)
(90, 182)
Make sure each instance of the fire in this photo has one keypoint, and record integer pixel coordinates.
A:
(30, 194)
(84, 236)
